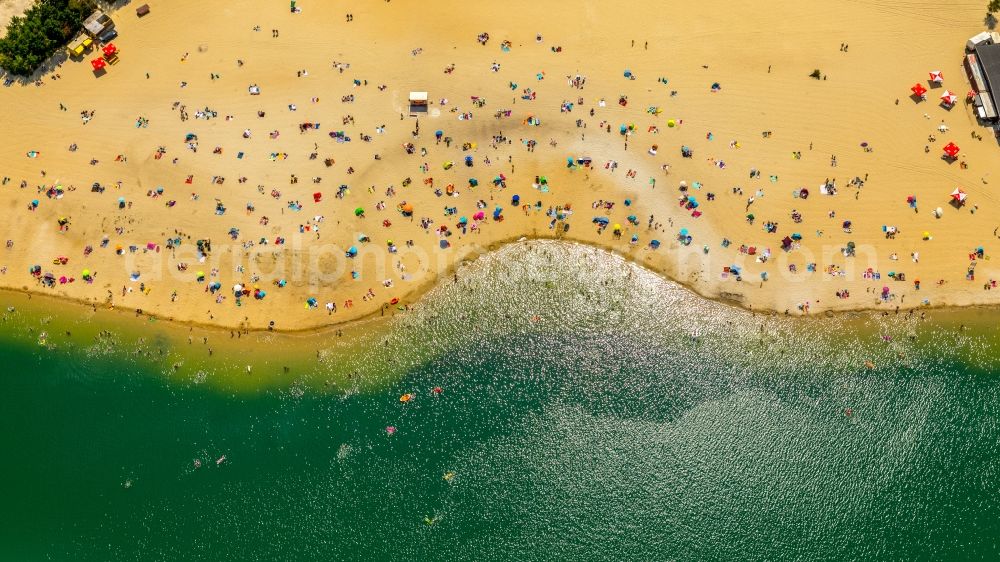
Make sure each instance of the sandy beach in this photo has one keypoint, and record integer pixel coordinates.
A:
(11, 8)
(283, 141)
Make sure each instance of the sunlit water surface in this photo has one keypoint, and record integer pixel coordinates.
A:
(586, 410)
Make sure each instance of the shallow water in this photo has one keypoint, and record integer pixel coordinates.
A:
(589, 410)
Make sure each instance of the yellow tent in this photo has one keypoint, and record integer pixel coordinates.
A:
(79, 46)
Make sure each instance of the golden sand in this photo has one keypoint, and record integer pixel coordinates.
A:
(760, 56)
(11, 8)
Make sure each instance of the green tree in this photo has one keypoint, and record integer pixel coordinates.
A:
(993, 6)
(44, 28)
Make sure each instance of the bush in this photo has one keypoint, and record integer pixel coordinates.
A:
(43, 29)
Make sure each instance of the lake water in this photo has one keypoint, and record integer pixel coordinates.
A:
(587, 410)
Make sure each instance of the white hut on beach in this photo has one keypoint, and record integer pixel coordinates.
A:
(418, 102)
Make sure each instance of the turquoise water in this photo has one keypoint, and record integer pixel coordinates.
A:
(588, 411)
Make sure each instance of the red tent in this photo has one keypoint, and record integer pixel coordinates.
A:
(918, 90)
(951, 149)
(98, 64)
(936, 76)
(110, 49)
(949, 98)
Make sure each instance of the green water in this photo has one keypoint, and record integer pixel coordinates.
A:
(589, 411)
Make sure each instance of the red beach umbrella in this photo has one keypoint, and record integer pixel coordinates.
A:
(949, 98)
(98, 64)
(918, 90)
(951, 149)
(110, 49)
(959, 195)
(936, 76)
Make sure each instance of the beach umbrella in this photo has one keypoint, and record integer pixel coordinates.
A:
(98, 64)
(406, 208)
(110, 50)
(918, 90)
(463, 220)
(948, 98)
(959, 195)
(936, 76)
(352, 251)
(359, 212)
(317, 197)
(951, 149)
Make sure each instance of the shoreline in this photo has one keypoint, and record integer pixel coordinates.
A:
(374, 319)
